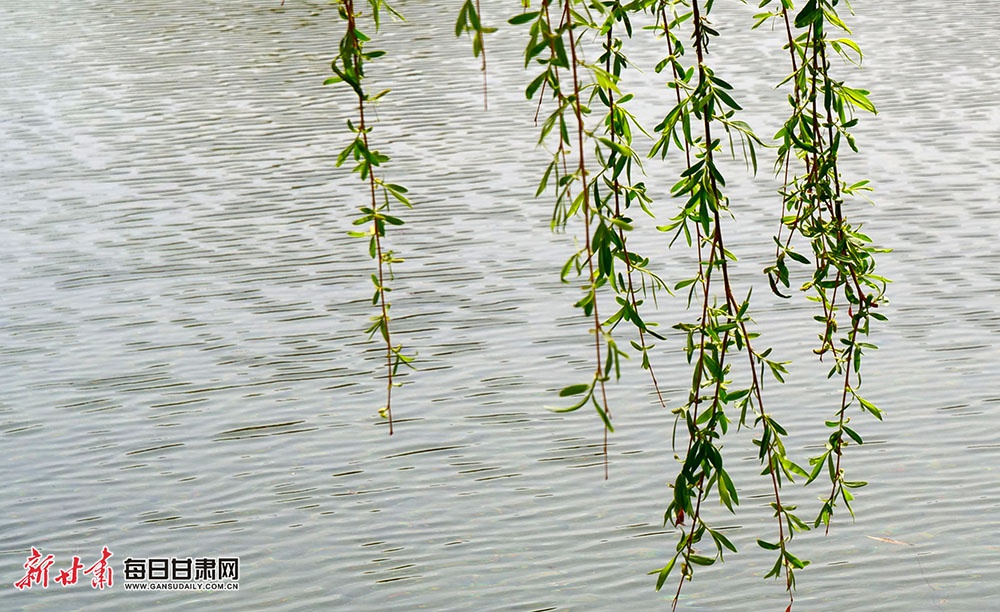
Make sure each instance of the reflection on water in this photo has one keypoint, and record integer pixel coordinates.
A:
(184, 371)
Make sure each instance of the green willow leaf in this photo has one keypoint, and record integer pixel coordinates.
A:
(768, 545)
(574, 390)
(523, 18)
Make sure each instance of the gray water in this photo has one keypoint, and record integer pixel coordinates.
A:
(184, 371)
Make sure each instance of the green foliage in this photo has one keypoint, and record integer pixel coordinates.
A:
(469, 21)
(813, 198)
(576, 55)
(349, 67)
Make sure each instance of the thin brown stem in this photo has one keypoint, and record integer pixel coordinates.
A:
(482, 50)
(788, 156)
(378, 233)
(673, 69)
(616, 187)
(841, 416)
(695, 519)
(587, 214)
(381, 276)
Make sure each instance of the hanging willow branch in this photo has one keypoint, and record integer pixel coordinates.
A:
(580, 52)
(349, 67)
(470, 20)
(814, 200)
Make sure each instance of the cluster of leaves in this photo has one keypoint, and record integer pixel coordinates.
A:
(705, 101)
(814, 197)
(598, 185)
(349, 67)
(600, 189)
(578, 48)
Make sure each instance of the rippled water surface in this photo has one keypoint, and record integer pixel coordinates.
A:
(184, 372)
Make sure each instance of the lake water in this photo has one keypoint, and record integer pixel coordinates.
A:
(183, 369)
